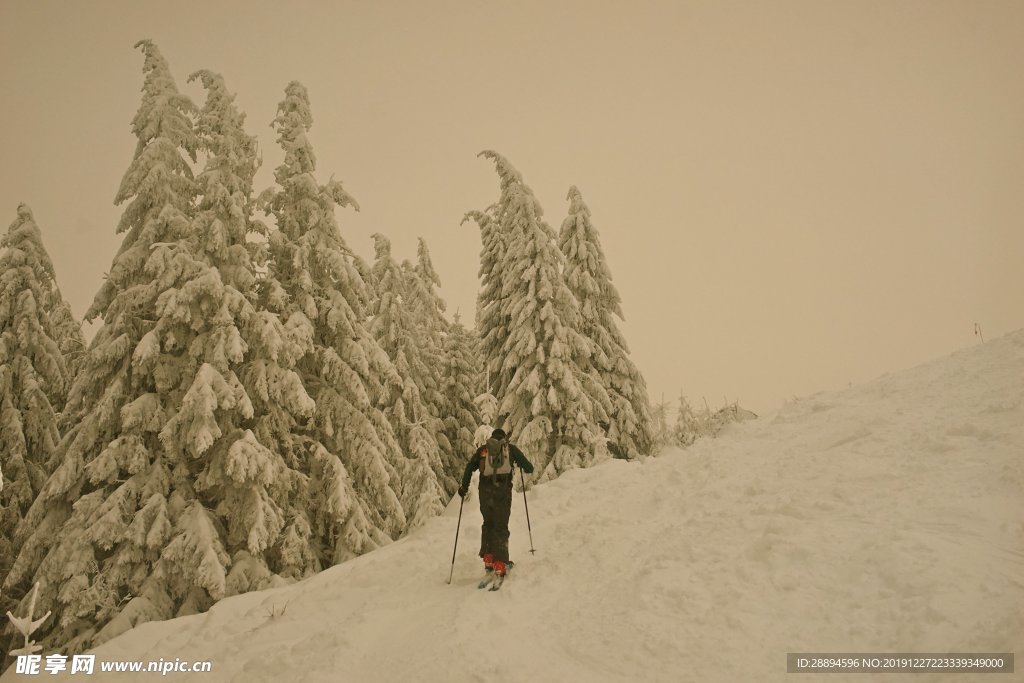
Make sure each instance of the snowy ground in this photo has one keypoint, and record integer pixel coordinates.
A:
(888, 517)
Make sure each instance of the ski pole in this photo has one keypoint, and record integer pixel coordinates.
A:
(522, 479)
(452, 573)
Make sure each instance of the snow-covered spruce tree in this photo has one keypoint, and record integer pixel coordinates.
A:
(688, 427)
(462, 381)
(314, 283)
(122, 496)
(365, 271)
(33, 380)
(553, 401)
(254, 474)
(426, 310)
(590, 280)
(491, 318)
(67, 332)
(423, 316)
(661, 433)
(426, 303)
(423, 475)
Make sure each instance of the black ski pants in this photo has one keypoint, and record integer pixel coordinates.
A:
(496, 506)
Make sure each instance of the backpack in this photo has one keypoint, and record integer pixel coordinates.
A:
(495, 458)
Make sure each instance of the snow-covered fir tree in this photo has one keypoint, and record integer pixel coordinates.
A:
(426, 310)
(123, 496)
(184, 494)
(462, 381)
(425, 302)
(365, 271)
(491, 317)
(33, 380)
(252, 474)
(424, 480)
(315, 284)
(662, 433)
(590, 280)
(552, 401)
(689, 426)
(430, 325)
(67, 332)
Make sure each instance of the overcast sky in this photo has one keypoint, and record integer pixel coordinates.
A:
(792, 196)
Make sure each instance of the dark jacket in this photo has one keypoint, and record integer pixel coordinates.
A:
(518, 459)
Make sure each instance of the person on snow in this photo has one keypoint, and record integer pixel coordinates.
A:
(496, 461)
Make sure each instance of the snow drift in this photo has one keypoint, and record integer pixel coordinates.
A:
(886, 517)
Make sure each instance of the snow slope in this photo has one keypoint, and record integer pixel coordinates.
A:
(886, 517)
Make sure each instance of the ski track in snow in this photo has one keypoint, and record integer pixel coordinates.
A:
(887, 517)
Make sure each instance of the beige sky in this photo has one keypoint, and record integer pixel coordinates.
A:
(792, 196)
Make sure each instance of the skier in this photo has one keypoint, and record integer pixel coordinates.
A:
(495, 460)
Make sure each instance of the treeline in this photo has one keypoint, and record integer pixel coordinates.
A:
(259, 402)
(682, 425)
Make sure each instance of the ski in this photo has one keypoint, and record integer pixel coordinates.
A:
(498, 580)
(490, 576)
